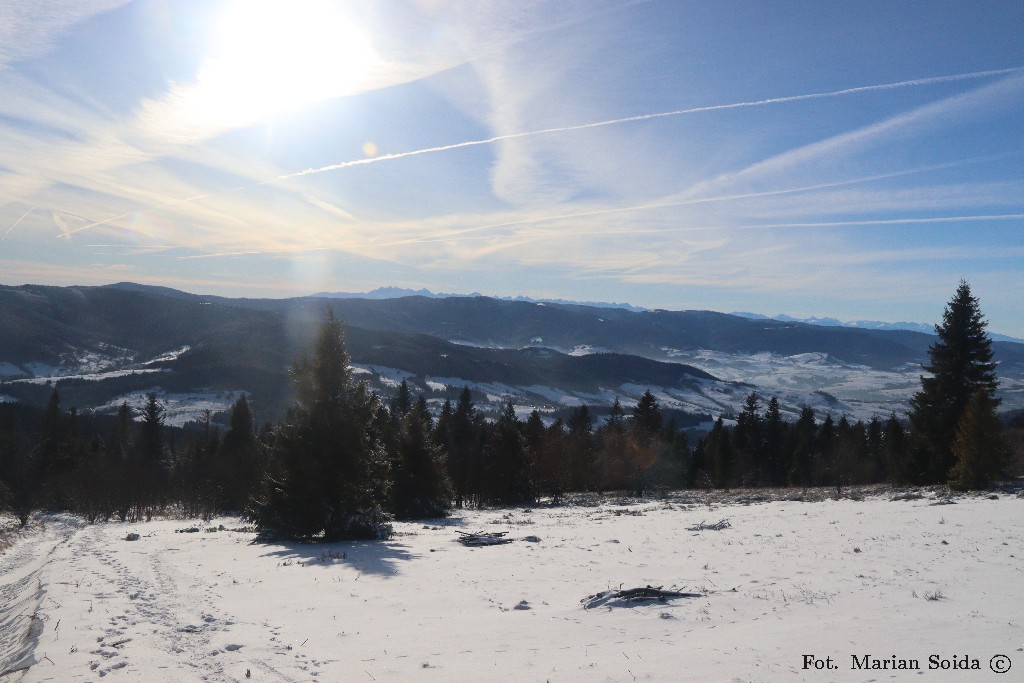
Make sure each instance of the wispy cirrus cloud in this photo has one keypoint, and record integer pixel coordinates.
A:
(29, 28)
(811, 159)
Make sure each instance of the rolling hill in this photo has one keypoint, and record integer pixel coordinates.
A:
(103, 345)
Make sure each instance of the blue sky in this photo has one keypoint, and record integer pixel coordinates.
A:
(849, 159)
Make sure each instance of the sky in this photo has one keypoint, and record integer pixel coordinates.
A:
(844, 159)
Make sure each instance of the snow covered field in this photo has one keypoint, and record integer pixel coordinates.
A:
(788, 584)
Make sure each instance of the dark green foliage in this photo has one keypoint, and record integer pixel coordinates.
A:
(960, 365)
(329, 476)
(979, 448)
(240, 461)
(196, 473)
(550, 457)
(876, 451)
(461, 433)
(647, 415)
(580, 450)
(152, 456)
(748, 444)
(669, 470)
(803, 447)
(507, 476)
(614, 451)
(776, 461)
(20, 473)
(894, 452)
(720, 454)
(421, 484)
(401, 404)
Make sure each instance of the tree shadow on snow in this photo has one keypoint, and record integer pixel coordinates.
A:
(381, 558)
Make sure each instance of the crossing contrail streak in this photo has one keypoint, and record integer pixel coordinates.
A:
(568, 129)
(23, 216)
(647, 117)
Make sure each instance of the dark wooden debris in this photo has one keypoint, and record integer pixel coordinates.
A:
(482, 538)
(627, 596)
(717, 526)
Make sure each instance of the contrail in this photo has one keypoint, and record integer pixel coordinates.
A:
(647, 117)
(166, 205)
(972, 218)
(887, 221)
(577, 127)
(23, 216)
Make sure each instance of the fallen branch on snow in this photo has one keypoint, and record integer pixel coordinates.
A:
(618, 598)
(483, 538)
(717, 526)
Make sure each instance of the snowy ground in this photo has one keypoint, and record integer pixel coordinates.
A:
(907, 578)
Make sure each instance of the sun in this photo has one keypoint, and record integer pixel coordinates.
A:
(275, 55)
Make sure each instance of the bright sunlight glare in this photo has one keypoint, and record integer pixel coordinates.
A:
(273, 55)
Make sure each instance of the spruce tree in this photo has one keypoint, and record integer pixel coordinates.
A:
(720, 453)
(464, 446)
(615, 447)
(774, 435)
(422, 487)
(507, 476)
(551, 464)
(329, 473)
(647, 444)
(647, 415)
(803, 448)
(151, 457)
(748, 444)
(979, 447)
(239, 460)
(894, 452)
(401, 404)
(960, 365)
(583, 473)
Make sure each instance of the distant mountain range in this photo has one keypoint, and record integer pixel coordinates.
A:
(399, 292)
(866, 325)
(100, 346)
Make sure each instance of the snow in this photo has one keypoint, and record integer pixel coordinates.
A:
(179, 408)
(587, 349)
(169, 356)
(556, 396)
(859, 391)
(832, 578)
(108, 362)
(389, 376)
(89, 377)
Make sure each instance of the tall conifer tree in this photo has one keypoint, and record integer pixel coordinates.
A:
(330, 474)
(960, 365)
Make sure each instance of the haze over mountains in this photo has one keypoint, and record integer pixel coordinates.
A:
(103, 345)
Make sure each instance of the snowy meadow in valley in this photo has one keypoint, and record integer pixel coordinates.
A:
(795, 586)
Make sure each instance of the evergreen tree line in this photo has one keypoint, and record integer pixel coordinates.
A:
(344, 460)
(127, 468)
